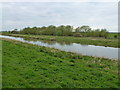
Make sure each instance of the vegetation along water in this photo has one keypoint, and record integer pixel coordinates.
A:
(33, 66)
(82, 35)
(29, 66)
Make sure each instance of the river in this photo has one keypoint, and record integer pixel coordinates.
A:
(90, 50)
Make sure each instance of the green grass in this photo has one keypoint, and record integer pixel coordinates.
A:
(69, 39)
(111, 35)
(31, 66)
(0, 64)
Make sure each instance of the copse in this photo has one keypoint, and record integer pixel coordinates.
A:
(86, 31)
(62, 30)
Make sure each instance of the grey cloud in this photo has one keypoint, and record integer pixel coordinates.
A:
(95, 14)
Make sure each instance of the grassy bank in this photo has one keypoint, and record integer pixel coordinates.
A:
(31, 66)
(70, 39)
(0, 64)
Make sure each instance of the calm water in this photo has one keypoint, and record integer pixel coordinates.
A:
(90, 50)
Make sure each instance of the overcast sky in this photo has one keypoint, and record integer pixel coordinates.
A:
(95, 14)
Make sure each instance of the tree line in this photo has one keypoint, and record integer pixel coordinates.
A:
(82, 31)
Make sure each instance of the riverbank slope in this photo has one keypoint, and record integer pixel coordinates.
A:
(31, 66)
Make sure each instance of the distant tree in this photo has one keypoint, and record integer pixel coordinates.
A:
(77, 29)
(104, 33)
(14, 31)
(115, 36)
(51, 30)
(68, 30)
(63, 30)
(85, 28)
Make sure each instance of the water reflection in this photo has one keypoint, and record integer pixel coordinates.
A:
(49, 42)
(90, 50)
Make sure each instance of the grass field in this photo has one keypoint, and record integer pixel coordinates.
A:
(0, 64)
(68, 39)
(31, 66)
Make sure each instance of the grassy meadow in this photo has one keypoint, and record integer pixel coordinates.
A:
(0, 64)
(59, 45)
(31, 66)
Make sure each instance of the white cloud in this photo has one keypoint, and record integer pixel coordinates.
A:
(59, 0)
(94, 14)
